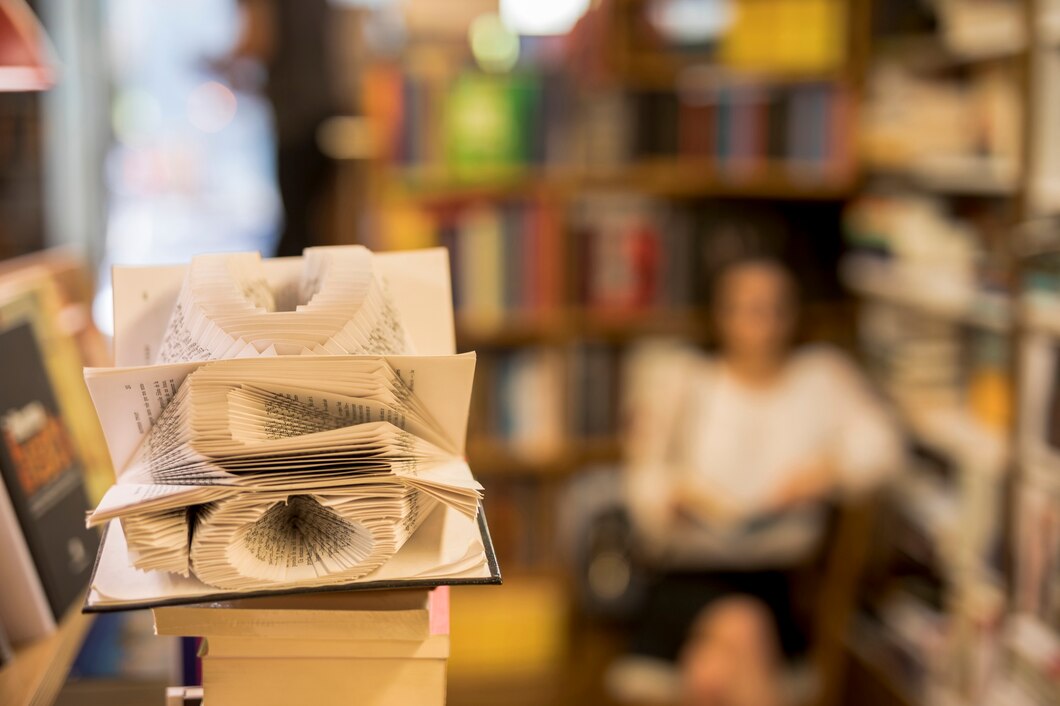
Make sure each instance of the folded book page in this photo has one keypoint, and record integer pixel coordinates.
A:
(283, 437)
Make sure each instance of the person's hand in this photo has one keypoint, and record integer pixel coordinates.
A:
(811, 482)
(693, 504)
(682, 509)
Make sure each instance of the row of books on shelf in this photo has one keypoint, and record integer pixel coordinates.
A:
(538, 400)
(954, 118)
(478, 125)
(743, 127)
(505, 257)
(926, 363)
(975, 614)
(634, 254)
(625, 254)
(958, 132)
(466, 120)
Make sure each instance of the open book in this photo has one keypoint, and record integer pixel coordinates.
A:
(284, 437)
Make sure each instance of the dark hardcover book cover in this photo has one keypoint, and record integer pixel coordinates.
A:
(42, 472)
(487, 544)
(777, 129)
(512, 237)
(407, 136)
(667, 116)
(821, 105)
(657, 125)
(644, 132)
(1052, 422)
(723, 128)
(695, 128)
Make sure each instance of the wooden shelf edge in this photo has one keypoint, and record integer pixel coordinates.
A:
(659, 177)
(39, 669)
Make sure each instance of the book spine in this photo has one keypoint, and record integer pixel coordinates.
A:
(841, 134)
(723, 130)
(439, 610)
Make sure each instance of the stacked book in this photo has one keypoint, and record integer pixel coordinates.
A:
(374, 648)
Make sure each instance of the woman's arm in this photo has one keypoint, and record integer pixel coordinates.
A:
(654, 406)
(867, 445)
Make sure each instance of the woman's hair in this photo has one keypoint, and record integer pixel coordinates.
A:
(743, 238)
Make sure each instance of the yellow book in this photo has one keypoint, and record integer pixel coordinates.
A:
(323, 681)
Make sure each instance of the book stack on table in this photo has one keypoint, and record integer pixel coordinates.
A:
(373, 647)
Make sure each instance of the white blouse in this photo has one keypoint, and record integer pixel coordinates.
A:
(695, 425)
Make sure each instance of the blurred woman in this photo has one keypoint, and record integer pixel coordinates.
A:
(732, 458)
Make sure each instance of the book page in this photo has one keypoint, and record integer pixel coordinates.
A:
(143, 303)
(129, 400)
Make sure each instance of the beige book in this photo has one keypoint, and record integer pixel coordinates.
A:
(323, 682)
(434, 647)
(369, 615)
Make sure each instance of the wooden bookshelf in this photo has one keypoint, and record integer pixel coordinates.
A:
(988, 464)
(688, 178)
(39, 669)
(972, 176)
(673, 178)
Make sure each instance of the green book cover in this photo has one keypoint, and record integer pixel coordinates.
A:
(489, 123)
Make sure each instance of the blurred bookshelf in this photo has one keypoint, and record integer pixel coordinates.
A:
(951, 309)
(580, 190)
(576, 193)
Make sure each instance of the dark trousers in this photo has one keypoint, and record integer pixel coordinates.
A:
(675, 599)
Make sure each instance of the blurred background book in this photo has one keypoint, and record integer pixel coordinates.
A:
(589, 164)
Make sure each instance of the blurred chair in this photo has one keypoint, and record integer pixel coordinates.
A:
(843, 562)
(611, 583)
